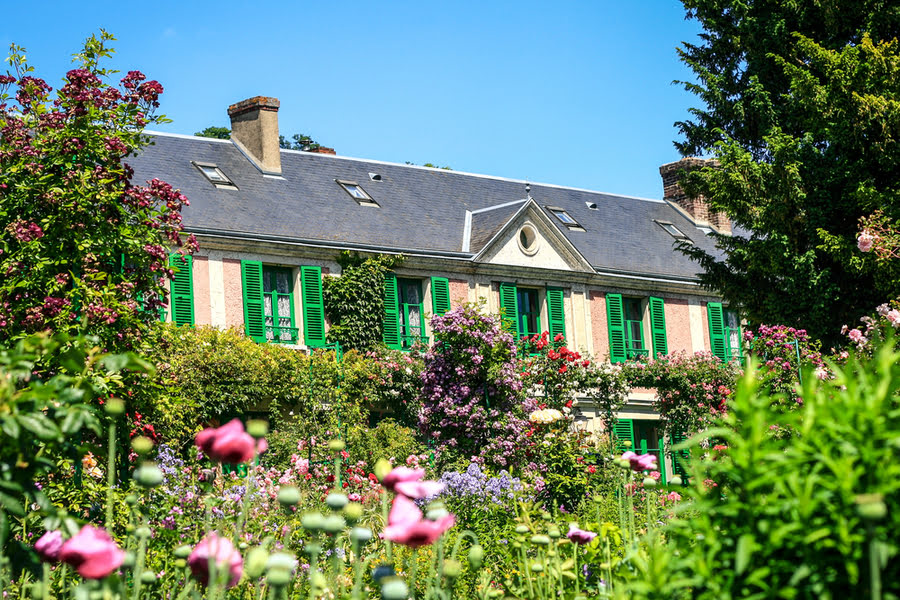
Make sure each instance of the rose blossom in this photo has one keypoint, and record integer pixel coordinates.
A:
(865, 241)
(92, 552)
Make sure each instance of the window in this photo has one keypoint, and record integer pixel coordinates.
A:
(278, 305)
(357, 193)
(529, 312)
(645, 438)
(634, 327)
(565, 217)
(724, 332)
(214, 175)
(404, 316)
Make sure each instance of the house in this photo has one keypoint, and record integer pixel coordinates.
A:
(599, 268)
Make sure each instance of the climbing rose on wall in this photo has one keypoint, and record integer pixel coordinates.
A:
(473, 405)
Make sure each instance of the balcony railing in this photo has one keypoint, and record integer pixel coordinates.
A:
(410, 338)
(632, 353)
(282, 335)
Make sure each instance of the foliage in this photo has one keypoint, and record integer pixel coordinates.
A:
(799, 102)
(83, 248)
(208, 375)
(389, 440)
(815, 514)
(387, 382)
(300, 142)
(876, 330)
(784, 353)
(692, 390)
(354, 302)
(219, 133)
(472, 404)
(48, 420)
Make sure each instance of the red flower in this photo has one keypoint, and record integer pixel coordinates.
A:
(592, 469)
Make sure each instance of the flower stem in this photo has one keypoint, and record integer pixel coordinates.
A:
(111, 475)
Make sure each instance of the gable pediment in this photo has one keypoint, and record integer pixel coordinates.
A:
(531, 239)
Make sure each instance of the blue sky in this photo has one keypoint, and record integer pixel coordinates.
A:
(577, 93)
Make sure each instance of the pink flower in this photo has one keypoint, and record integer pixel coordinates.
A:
(406, 525)
(857, 336)
(419, 489)
(893, 316)
(865, 241)
(92, 552)
(640, 462)
(227, 444)
(222, 552)
(580, 536)
(49, 545)
(401, 474)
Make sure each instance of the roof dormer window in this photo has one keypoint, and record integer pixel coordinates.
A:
(214, 175)
(565, 218)
(357, 192)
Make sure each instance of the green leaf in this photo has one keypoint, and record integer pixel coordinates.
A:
(39, 425)
(11, 427)
(745, 547)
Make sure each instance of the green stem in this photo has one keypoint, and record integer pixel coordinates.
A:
(874, 569)
(110, 476)
(414, 566)
(139, 566)
(384, 512)
(45, 582)
(577, 573)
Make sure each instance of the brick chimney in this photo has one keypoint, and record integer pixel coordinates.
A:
(696, 207)
(324, 150)
(254, 129)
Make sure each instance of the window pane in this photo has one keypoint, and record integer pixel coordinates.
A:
(284, 309)
(283, 282)
(267, 304)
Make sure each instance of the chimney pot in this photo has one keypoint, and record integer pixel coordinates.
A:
(324, 150)
(254, 128)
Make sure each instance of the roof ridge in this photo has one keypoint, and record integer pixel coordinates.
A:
(419, 167)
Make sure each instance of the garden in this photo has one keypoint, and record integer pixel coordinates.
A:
(145, 460)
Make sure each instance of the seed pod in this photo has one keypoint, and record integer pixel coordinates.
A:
(148, 577)
(289, 495)
(649, 482)
(255, 562)
(336, 500)
(476, 556)
(537, 567)
(148, 475)
(142, 533)
(312, 521)
(278, 578)
(114, 407)
(333, 524)
(142, 445)
(521, 528)
(360, 534)
(336, 445)
(676, 480)
(540, 540)
(182, 551)
(257, 428)
(554, 533)
(394, 589)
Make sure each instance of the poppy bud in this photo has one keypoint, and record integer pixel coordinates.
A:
(312, 521)
(353, 512)
(336, 500)
(382, 468)
(114, 407)
(255, 562)
(336, 445)
(676, 480)
(394, 589)
(148, 475)
(476, 556)
(142, 445)
(452, 568)
(289, 495)
(257, 428)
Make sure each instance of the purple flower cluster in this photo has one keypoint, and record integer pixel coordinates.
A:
(475, 483)
(472, 403)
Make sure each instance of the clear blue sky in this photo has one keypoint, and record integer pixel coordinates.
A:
(569, 93)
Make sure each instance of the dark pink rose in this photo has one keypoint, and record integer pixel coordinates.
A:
(49, 545)
(92, 552)
(223, 554)
(228, 443)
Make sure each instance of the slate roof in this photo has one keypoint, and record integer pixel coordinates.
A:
(421, 209)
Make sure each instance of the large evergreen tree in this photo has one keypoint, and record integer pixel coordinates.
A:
(801, 108)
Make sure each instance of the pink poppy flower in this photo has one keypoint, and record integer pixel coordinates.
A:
(92, 552)
(580, 536)
(400, 474)
(419, 489)
(228, 443)
(406, 525)
(222, 552)
(640, 462)
(49, 545)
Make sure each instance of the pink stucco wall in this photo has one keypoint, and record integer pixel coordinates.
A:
(234, 295)
(705, 318)
(678, 325)
(459, 292)
(202, 308)
(598, 324)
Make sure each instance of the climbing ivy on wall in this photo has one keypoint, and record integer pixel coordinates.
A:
(354, 302)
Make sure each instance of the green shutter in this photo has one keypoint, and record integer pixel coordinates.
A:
(615, 318)
(509, 303)
(680, 457)
(440, 295)
(391, 334)
(313, 306)
(658, 326)
(556, 312)
(182, 289)
(623, 431)
(254, 319)
(717, 329)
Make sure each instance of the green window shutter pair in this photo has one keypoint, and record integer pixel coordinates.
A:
(182, 289)
(615, 318)
(556, 312)
(510, 306)
(440, 295)
(391, 322)
(623, 431)
(680, 457)
(717, 329)
(313, 305)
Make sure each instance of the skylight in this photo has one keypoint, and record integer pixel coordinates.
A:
(357, 192)
(214, 175)
(672, 230)
(567, 219)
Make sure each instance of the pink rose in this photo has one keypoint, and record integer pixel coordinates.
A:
(222, 553)
(893, 316)
(865, 241)
(92, 552)
(228, 443)
(49, 545)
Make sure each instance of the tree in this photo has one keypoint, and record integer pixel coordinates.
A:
(801, 104)
(301, 142)
(220, 133)
(82, 247)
